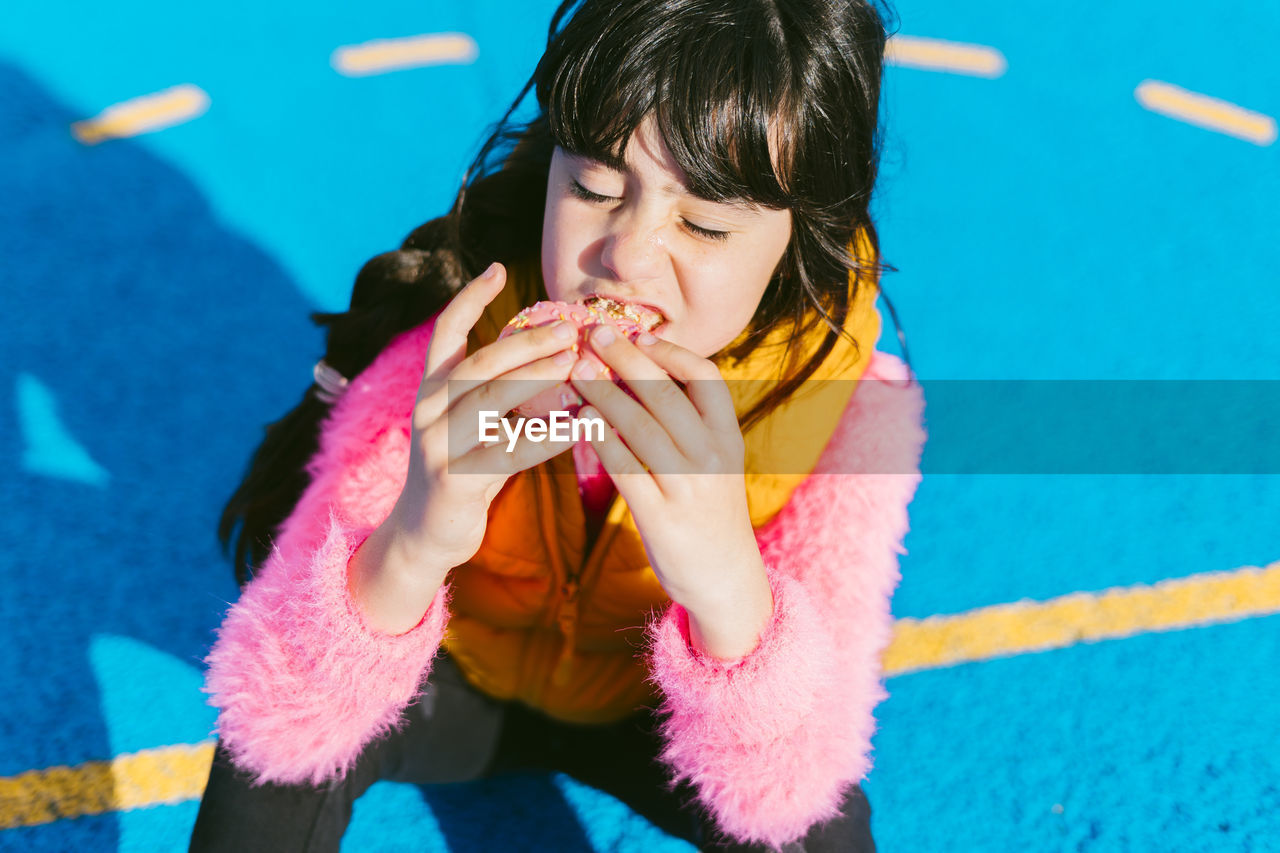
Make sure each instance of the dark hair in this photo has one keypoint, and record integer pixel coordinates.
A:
(772, 101)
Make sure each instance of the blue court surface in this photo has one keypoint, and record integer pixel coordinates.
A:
(1082, 192)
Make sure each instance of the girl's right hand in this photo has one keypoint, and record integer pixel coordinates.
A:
(442, 512)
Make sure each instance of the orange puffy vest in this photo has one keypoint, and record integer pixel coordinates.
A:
(535, 617)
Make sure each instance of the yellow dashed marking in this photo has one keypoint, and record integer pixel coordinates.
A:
(1204, 111)
(152, 777)
(143, 114)
(1035, 626)
(173, 774)
(381, 55)
(977, 60)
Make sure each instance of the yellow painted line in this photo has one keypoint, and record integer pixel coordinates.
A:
(174, 774)
(1035, 626)
(1207, 112)
(152, 777)
(382, 55)
(143, 114)
(977, 60)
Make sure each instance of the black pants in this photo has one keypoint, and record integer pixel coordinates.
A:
(456, 733)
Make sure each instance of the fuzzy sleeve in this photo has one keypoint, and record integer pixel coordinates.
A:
(772, 741)
(301, 683)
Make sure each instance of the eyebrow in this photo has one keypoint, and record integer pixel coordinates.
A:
(615, 163)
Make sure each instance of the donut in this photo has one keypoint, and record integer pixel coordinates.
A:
(629, 319)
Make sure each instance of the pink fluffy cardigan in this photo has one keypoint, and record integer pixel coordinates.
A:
(771, 741)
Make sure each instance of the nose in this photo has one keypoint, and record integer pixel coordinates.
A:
(633, 249)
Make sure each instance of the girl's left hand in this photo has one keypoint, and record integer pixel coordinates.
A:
(691, 503)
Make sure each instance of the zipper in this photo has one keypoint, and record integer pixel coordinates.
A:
(567, 619)
(567, 610)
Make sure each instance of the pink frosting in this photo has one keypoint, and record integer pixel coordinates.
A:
(564, 397)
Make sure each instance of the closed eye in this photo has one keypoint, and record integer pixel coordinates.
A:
(579, 191)
(587, 195)
(705, 232)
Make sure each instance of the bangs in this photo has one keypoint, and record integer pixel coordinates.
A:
(720, 90)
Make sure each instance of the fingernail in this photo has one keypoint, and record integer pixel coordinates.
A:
(491, 271)
(564, 358)
(604, 335)
(584, 370)
(563, 330)
(646, 339)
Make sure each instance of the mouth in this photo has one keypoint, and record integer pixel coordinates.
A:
(645, 316)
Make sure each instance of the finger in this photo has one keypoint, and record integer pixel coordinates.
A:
(501, 357)
(449, 337)
(507, 392)
(636, 486)
(702, 381)
(651, 384)
(647, 438)
(501, 457)
(672, 408)
(494, 399)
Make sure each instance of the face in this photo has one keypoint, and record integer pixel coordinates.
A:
(639, 236)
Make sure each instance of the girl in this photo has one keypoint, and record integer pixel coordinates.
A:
(713, 160)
